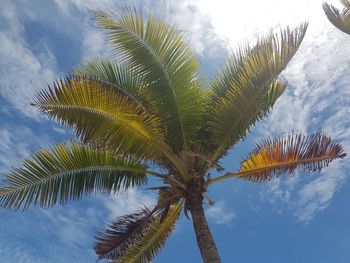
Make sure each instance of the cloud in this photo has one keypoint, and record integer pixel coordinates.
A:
(128, 202)
(220, 213)
(29, 66)
(316, 195)
(305, 195)
(12, 253)
(21, 72)
(72, 225)
(317, 98)
(186, 14)
(94, 45)
(17, 142)
(66, 233)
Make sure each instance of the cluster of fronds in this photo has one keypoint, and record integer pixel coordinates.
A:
(160, 55)
(149, 106)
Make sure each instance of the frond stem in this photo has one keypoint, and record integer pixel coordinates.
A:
(162, 67)
(172, 180)
(281, 165)
(152, 173)
(67, 173)
(160, 145)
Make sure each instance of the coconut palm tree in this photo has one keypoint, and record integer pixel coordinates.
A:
(148, 113)
(340, 19)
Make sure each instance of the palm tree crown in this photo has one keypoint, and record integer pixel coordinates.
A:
(148, 113)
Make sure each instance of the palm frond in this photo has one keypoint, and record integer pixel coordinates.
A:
(345, 3)
(165, 200)
(274, 92)
(137, 237)
(339, 18)
(274, 157)
(121, 77)
(68, 172)
(247, 88)
(160, 54)
(124, 78)
(111, 242)
(103, 116)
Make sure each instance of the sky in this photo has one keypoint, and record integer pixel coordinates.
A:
(304, 218)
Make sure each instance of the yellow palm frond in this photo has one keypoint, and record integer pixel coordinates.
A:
(103, 116)
(274, 92)
(122, 77)
(106, 117)
(274, 157)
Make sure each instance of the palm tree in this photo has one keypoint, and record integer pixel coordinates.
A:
(149, 114)
(340, 19)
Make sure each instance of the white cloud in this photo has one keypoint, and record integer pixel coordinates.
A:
(305, 195)
(220, 213)
(63, 6)
(17, 142)
(128, 202)
(317, 98)
(22, 73)
(65, 232)
(11, 24)
(246, 20)
(318, 95)
(316, 195)
(5, 139)
(60, 130)
(94, 45)
(73, 226)
(186, 14)
(25, 70)
(12, 253)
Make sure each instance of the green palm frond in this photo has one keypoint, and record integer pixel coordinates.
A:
(339, 18)
(247, 88)
(103, 117)
(136, 237)
(274, 157)
(121, 76)
(160, 54)
(68, 172)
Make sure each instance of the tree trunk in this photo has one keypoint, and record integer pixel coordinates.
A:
(205, 240)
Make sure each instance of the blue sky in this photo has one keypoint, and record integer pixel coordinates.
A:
(300, 219)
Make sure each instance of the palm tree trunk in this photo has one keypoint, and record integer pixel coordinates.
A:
(205, 240)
